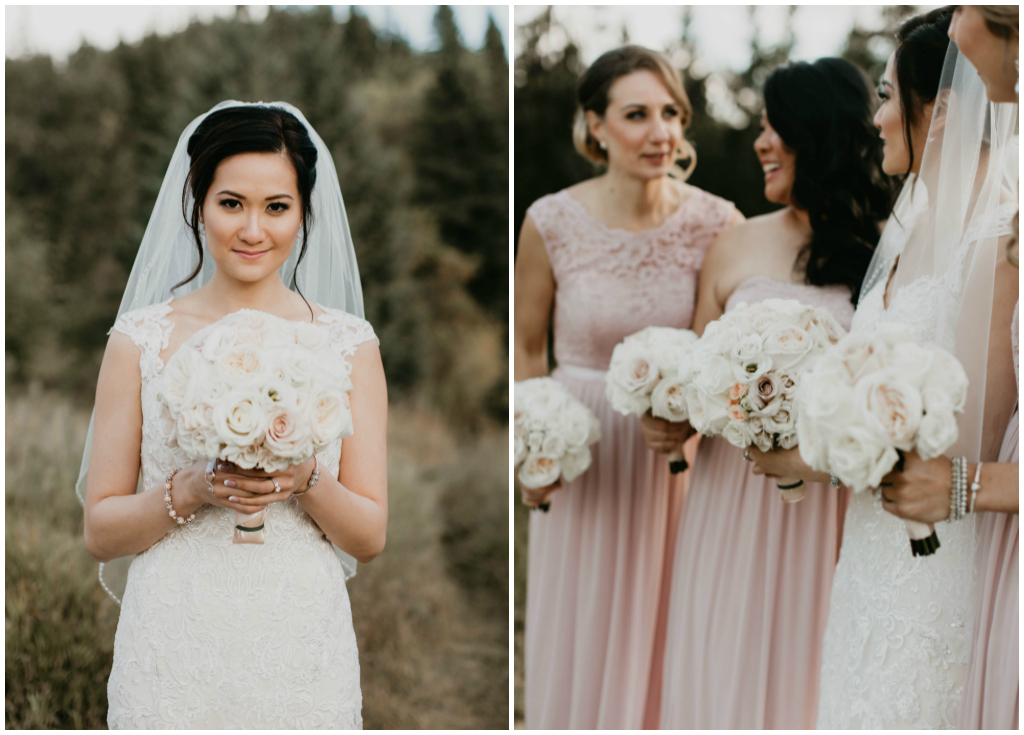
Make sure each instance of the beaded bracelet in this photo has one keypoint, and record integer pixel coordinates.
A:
(167, 500)
(958, 493)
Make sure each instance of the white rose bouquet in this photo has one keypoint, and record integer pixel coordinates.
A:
(873, 396)
(258, 391)
(746, 370)
(553, 432)
(645, 375)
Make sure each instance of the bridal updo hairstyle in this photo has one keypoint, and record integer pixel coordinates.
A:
(921, 45)
(1002, 20)
(592, 96)
(247, 129)
(823, 113)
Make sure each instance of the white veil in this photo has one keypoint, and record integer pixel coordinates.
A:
(954, 244)
(328, 274)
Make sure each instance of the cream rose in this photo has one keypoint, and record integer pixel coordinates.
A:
(787, 345)
(286, 437)
(891, 407)
(937, 433)
(668, 401)
(575, 464)
(538, 471)
(238, 419)
(329, 418)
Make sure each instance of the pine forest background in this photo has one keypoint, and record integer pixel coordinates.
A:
(420, 142)
(726, 121)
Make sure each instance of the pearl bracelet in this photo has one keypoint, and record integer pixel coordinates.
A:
(167, 500)
(975, 487)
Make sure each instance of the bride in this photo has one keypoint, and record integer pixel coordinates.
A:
(213, 634)
(896, 645)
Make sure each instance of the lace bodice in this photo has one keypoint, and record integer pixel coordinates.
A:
(611, 283)
(834, 298)
(896, 645)
(182, 655)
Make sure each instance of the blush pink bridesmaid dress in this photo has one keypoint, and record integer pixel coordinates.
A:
(599, 560)
(992, 690)
(751, 579)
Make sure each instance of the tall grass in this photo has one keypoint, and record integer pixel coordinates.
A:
(432, 651)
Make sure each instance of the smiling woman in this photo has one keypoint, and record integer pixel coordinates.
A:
(224, 623)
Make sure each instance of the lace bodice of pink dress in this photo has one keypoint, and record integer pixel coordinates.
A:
(612, 283)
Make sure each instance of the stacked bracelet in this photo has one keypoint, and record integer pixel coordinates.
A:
(314, 478)
(167, 500)
(958, 490)
(975, 487)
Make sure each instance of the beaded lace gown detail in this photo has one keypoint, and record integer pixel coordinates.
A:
(217, 635)
(992, 692)
(751, 579)
(599, 560)
(895, 652)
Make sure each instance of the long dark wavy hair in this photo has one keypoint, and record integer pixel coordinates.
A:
(247, 129)
(823, 112)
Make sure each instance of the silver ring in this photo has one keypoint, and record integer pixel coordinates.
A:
(211, 475)
(277, 488)
(746, 455)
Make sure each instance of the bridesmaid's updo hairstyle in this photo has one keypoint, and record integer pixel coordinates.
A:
(592, 96)
(921, 44)
(1002, 20)
(823, 113)
(247, 129)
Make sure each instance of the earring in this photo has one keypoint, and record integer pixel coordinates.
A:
(602, 145)
(1016, 85)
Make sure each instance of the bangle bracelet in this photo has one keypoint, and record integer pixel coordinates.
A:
(975, 487)
(314, 478)
(167, 500)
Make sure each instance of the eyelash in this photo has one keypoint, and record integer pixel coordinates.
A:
(639, 114)
(281, 206)
(882, 94)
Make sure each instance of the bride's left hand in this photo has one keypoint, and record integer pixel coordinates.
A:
(921, 492)
(293, 478)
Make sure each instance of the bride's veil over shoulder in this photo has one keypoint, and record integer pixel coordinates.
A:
(328, 274)
(949, 220)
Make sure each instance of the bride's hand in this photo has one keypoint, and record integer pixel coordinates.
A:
(921, 492)
(784, 463)
(248, 491)
(664, 436)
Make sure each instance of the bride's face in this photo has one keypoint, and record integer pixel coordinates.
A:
(778, 163)
(252, 214)
(991, 55)
(889, 121)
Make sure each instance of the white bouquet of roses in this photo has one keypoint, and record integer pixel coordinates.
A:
(260, 392)
(872, 396)
(644, 375)
(747, 369)
(553, 432)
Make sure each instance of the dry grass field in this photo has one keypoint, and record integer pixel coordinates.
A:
(431, 612)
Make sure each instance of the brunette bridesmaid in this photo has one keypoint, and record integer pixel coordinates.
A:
(607, 258)
(752, 574)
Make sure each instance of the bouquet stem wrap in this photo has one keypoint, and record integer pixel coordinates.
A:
(249, 527)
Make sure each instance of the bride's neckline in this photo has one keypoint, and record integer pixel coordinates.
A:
(317, 321)
(691, 195)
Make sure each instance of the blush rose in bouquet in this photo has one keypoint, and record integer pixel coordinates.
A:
(646, 374)
(552, 432)
(260, 392)
(875, 395)
(747, 369)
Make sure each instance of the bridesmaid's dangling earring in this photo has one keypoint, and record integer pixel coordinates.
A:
(602, 145)
(1016, 85)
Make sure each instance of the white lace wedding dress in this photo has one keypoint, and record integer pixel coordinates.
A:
(218, 635)
(896, 645)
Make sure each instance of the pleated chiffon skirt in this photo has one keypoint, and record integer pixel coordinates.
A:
(597, 588)
(751, 581)
(992, 690)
